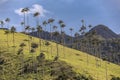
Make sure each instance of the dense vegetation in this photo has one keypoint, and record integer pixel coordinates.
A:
(12, 67)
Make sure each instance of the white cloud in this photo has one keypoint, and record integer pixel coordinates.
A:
(35, 8)
(18, 11)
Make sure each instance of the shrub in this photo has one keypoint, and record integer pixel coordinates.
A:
(56, 58)
(115, 78)
(34, 45)
(22, 45)
(32, 50)
(41, 57)
(20, 51)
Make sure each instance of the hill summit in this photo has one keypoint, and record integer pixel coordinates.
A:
(104, 31)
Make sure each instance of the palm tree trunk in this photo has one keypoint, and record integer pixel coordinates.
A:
(14, 42)
(24, 23)
(7, 42)
(51, 38)
(106, 73)
(29, 42)
(39, 41)
(57, 48)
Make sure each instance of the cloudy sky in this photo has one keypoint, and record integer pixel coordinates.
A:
(94, 12)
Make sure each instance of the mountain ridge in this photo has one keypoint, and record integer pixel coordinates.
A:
(104, 31)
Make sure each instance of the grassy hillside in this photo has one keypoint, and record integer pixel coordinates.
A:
(76, 59)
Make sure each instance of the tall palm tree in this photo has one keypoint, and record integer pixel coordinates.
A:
(33, 29)
(7, 20)
(47, 44)
(50, 21)
(7, 32)
(77, 39)
(2, 24)
(71, 31)
(44, 24)
(28, 30)
(63, 32)
(56, 34)
(62, 25)
(27, 16)
(106, 67)
(13, 29)
(85, 41)
(39, 30)
(37, 14)
(25, 12)
(24, 22)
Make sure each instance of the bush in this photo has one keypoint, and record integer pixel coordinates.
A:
(82, 77)
(41, 57)
(1, 60)
(47, 43)
(56, 58)
(115, 78)
(34, 45)
(22, 45)
(32, 50)
(20, 51)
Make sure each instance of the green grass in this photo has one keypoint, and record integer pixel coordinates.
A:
(74, 58)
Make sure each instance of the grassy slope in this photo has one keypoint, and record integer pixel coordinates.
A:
(73, 57)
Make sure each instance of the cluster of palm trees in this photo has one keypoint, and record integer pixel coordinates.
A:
(8, 30)
(84, 41)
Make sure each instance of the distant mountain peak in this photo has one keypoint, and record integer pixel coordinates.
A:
(104, 31)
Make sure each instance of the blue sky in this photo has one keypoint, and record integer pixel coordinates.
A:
(94, 12)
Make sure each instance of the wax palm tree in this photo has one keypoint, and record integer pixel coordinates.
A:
(95, 43)
(85, 41)
(63, 32)
(54, 30)
(33, 29)
(50, 21)
(13, 29)
(77, 39)
(47, 44)
(7, 32)
(27, 17)
(28, 30)
(7, 20)
(44, 24)
(21, 54)
(25, 11)
(37, 14)
(71, 31)
(105, 58)
(56, 34)
(2, 24)
(62, 26)
(39, 30)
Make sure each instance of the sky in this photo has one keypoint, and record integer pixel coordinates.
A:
(94, 12)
